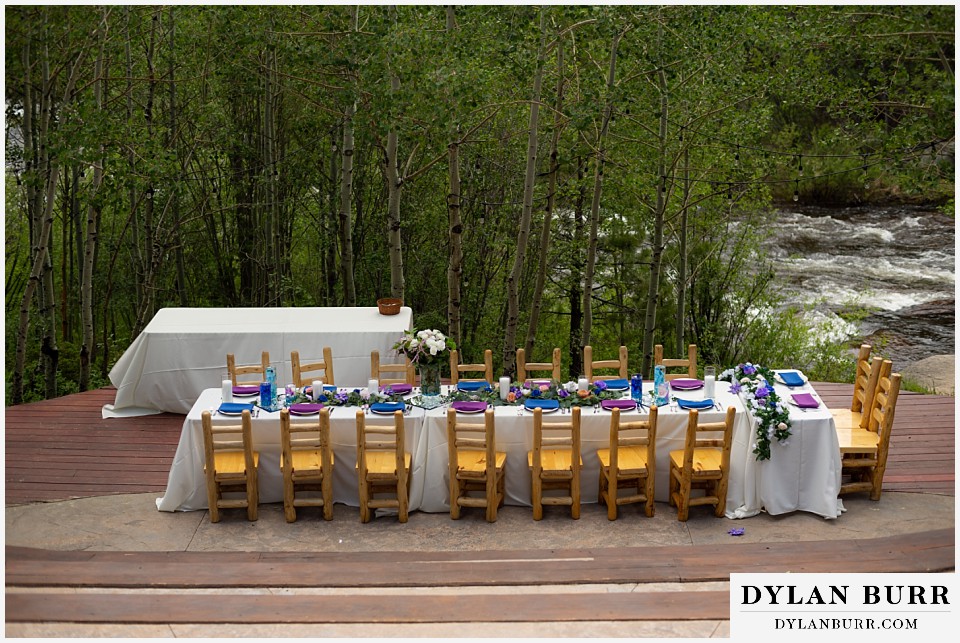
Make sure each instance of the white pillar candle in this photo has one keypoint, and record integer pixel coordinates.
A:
(504, 387)
(317, 387)
(583, 384)
(226, 390)
(373, 386)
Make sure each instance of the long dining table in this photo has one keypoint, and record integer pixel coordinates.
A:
(183, 351)
(752, 484)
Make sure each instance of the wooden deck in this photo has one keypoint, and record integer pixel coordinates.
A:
(63, 448)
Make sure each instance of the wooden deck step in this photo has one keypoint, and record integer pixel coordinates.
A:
(931, 551)
(273, 608)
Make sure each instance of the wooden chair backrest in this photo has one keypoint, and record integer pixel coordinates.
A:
(382, 372)
(690, 363)
(385, 438)
(524, 367)
(641, 433)
(259, 369)
(556, 435)
(306, 436)
(884, 402)
(589, 364)
(232, 438)
(469, 436)
(486, 368)
(302, 373)
(695, 440)
(865, 380)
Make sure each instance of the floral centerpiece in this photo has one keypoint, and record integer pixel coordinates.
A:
(753, 383)
(567, 394)
(429, 350)
(347, 397)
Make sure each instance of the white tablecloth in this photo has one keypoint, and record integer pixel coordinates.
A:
(183, 351)
(427, 442)
(803, 474)
(186, 485)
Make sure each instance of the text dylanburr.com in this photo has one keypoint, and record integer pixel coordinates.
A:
(856, 606)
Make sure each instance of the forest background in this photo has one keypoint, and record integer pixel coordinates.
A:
(520, 176)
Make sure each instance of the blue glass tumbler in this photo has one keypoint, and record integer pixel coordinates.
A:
(636, 387)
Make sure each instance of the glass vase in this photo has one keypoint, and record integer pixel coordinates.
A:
(430, 379)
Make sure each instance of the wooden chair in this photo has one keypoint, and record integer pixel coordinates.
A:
(306, 461)
(690, 363)
(475, 465)
(524, 367)
(864, 451)
(864, 386)
(383, 372)
(555, 463)
(302, 372)
(383, 467)
(629, 463)
(230, 465)
(589, 364)
(486, 368)
(259, 369)
(703, 463)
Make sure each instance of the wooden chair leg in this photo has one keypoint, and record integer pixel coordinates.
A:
(402, 498)
(327, 490)
(575, 495)
(650, 508)
(611, 489)
(455, 491)
(536, 497)
(212, 497)
(491, 489)
(253, 497)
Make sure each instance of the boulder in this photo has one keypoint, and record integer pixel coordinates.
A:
(936, 373)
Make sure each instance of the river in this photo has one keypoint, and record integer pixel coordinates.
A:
(895, 263)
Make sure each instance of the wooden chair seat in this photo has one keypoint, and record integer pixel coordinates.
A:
(383, 464)
(706, 462)
(557, 463)
(474, 463)
(633, 460)
(232, 464)
(846, 419)
(306, 463)
(858, 441)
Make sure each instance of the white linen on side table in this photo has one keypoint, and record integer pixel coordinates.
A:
(183, 351)
(186, 485)
(802, 475)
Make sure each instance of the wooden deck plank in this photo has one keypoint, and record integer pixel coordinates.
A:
(220, 608)
(71, 451)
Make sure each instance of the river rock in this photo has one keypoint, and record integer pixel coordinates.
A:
(936, 373)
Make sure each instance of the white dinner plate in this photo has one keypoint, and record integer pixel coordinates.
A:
(542, 409)
(618, 388)
(254, 394)
(384, 412)
(776, 376)
(292, 412)
(470, 412)
(230, 414)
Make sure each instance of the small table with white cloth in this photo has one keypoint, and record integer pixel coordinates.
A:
(801, 475)
(183, 351)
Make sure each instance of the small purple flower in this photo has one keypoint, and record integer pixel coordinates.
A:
(561, 393)
(341, 397)
(762, 392)
(735, 387)
(749, 369)
(600, 385)
(737, 531)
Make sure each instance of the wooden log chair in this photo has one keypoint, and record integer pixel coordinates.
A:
(252, 369)
(387, 374)
(230, 465)
(864, 386)
(306, 461)
(629, 463)
(304, 374)
(475, 465)
(383, 467)
(524, 367)
(555, 463)
(485, 368)
(590, 365)
(703, 463)
(864, 451)
(690, 363)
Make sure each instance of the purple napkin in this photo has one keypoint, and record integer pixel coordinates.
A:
(397, 389)
(686, 385)
(305, 409)
(805, 401)
(619, 404)
(469, 407)
(246, 390)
